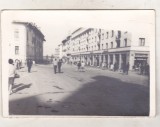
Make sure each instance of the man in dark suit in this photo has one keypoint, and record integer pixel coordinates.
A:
(29, 65)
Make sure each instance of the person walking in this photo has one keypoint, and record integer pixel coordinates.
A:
(17, 64)
(142, 68)
(79, 65)
(59, 65)
(29, 65)
(83, 66)
(115, 66)
(103, 65)
(55, 62)
(11, 76)
(112, 67)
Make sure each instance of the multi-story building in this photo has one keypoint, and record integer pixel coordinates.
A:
(66, 48)
(59, 52)
(95, 46)
(26, 42)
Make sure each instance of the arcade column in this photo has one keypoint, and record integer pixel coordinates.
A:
(114, 58)
(131, 59)
(100, 60)
(120, 61)
(108, 60)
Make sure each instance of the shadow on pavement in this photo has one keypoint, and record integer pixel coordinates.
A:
(104, 96)
(21, 87)
(17, 85)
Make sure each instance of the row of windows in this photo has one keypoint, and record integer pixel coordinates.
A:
(16, 36)
(95, 47)
(107, 35)
(89, 40)
(85, 38)
(106, 45)
(141, 43)
(17, 50)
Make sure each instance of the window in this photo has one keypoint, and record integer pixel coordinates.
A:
(111, 44)
(106, 45)
(95, 39)
(112, 33)
(141, 41)
(102, 36)
(16, 50)
(16, 34)
(118, 43)
(33, 40)
(125, 42)
(119, 34)
(107, 35)
(102, 46)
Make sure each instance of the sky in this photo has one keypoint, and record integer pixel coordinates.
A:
(56, 25)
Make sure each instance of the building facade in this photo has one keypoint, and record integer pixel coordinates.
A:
(57, 52)
(66, 48)
(27, 42)
(97, 46)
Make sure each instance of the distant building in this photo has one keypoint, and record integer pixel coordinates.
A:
(27, 42)
(95, 46)
(66, 48)
(57, 52)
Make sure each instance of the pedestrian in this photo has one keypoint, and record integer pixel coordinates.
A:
(11, 76)
(29, 65)
(83, 66)
(55, 63)
(127, 68)
(20, 64)
(59, 65)
(142, 69)
(112, 67)
(103, 65)
(34, 63)
(115, 66)
(79, 65)
(17, 64)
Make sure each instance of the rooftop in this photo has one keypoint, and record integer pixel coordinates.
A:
(32, 26)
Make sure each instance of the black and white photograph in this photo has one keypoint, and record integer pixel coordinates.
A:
(78, 63)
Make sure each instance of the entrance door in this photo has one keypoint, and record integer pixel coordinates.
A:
(111, 59)
(97, 60)
(117, 59)
(124, 58)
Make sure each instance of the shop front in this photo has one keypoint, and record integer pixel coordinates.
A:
(140, 58)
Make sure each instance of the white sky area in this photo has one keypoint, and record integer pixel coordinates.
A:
(57, 24)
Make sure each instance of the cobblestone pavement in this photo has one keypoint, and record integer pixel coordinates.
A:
(94, 92)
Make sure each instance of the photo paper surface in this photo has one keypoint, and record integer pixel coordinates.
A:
(97, 63)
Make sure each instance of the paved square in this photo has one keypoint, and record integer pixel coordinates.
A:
(94, 92)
